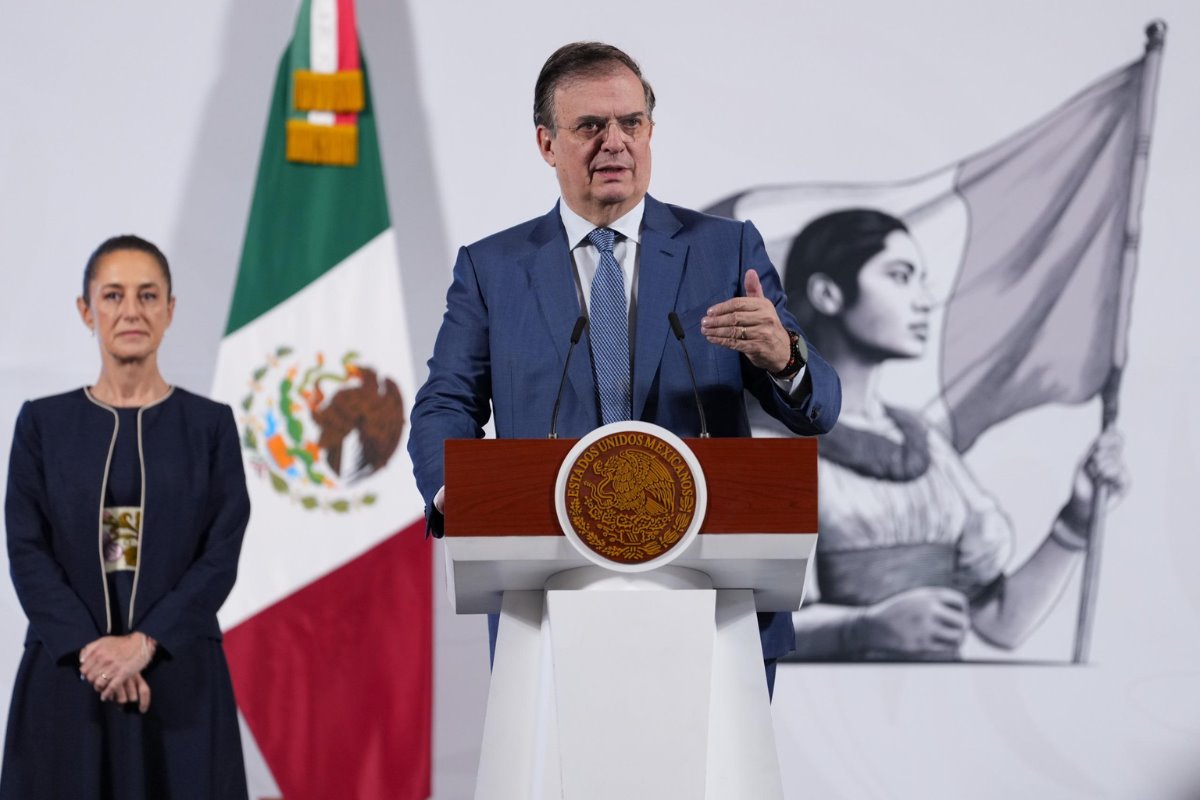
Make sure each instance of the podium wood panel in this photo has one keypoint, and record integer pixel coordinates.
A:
(505, 487)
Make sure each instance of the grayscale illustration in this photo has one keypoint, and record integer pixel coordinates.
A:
(912, 552)
(998, 285)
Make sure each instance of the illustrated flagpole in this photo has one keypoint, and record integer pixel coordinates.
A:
(1156, 33)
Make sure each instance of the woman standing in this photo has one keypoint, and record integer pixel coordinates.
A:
(125, 510)
(912, 553)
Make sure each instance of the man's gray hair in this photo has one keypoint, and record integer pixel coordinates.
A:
(580, 59)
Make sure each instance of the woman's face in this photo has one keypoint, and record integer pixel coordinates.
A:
(890, 317)
(129, 308)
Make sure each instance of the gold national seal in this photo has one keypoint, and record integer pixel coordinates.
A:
(630, 496)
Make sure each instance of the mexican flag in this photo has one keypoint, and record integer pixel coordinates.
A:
(329, 628)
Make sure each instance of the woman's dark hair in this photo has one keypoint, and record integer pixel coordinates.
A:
(837, 245)
(126, 241)
(575, 60)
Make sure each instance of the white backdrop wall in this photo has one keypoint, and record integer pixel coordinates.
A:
(147, 117)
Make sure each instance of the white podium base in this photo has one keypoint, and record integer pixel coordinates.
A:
(611, 685)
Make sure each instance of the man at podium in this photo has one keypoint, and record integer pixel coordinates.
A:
(610, 252)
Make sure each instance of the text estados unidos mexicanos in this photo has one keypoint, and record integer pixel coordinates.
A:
(651, 443)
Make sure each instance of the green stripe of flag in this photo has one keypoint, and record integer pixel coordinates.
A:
(300, 52)
(305, 219)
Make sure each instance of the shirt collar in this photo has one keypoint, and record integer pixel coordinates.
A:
(578, 228)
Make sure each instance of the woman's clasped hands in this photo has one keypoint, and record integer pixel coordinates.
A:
(113, 665)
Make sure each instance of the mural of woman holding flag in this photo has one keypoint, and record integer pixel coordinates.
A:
(913, 553)
(1038, 239)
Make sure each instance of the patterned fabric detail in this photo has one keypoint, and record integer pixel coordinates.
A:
(122, 537)
(610, 330)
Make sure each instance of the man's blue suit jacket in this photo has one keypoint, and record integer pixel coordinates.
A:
(509, 315)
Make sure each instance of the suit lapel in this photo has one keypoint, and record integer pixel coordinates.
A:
(552, 276)
(660, 272)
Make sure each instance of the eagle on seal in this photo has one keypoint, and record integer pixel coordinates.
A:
(635, 482)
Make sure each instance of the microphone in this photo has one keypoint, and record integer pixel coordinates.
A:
(576, 334)
(673, 318)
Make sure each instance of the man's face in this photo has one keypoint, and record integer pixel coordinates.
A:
(604, 176)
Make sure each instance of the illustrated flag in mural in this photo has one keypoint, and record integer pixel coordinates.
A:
(329, 628)
(1031, 235)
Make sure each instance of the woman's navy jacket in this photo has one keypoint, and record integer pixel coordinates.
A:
(195, 509)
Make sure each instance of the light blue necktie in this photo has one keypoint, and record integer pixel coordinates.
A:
(610, 330)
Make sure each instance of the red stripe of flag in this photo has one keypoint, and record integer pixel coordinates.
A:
(335, 681)
(347, 36)
(347, 47)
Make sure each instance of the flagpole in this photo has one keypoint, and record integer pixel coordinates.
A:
(1156, 33)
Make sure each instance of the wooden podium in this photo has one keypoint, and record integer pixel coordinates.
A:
(612, 684)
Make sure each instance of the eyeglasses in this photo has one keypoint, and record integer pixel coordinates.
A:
(632, 127)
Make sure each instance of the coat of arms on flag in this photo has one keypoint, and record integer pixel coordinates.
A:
(1036, 238)
(316, 430)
